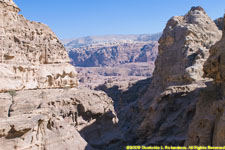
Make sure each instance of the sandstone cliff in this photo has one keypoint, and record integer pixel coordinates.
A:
(184, 104)
(207, 127)
(41, 108)
(164, 114)
(31, 56)
(184, 47)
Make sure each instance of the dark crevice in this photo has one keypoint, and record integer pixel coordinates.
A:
(15, 134)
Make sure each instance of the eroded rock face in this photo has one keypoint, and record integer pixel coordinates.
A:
(181, 106)
(50, 119)
(184, 48)
(215, 64)
(207, 127)
(26, 48)
(164, 114)
(40, 108)
(39, 131)
(10, 5)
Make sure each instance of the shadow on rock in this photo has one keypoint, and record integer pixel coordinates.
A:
(102, 133)
(127, 96)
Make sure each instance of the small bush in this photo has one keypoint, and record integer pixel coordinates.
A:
(12, 93)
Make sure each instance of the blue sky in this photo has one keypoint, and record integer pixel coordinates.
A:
(77, 18)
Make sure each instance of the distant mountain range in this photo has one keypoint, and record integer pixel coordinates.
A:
(108, 39)
(114, 54)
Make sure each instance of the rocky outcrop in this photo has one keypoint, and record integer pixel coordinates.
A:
(173, 94)
(41, 109)
(207, 127)
(27, 49)
(51, 119)
(213, 67)
(184, 104)
(113, 54)
(184, 48)
(163, 116)
(39, 131)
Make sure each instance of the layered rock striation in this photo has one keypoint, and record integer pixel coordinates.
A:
(30, 53)
(184, 104)
(41, 108)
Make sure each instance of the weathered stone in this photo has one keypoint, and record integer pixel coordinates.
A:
(39, 130)
(27, 49)
(41, 109)
(184, 48)
(207, 127)
(51, 119)
(163, 115)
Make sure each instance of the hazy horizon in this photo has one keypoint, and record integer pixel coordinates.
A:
(81, 18)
